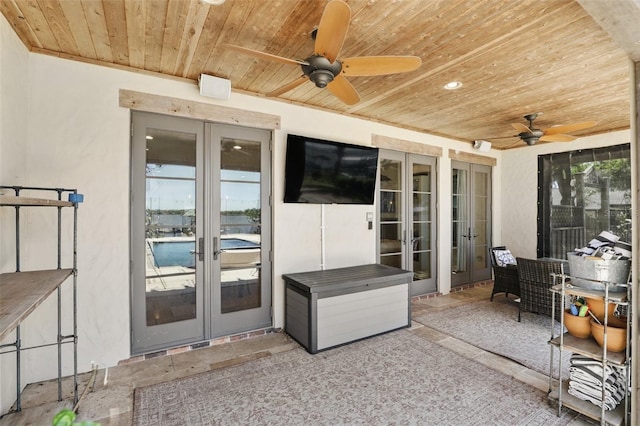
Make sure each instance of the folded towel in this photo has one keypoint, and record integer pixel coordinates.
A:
(604, 239)
(594, 396)
(588, 394)
(615, 391)
(593, 365)
(592, 375)
(586, 378)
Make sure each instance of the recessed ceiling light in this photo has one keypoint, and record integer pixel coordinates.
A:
(149, 137)
(453, 85)
(237, 147)
(214, 2)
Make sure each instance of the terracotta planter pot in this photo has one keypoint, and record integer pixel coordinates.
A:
(617, 322)
(577, 326)
(596, 306)
(616, 337)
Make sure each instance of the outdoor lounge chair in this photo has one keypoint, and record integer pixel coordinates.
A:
(505, 275)
(535, 277)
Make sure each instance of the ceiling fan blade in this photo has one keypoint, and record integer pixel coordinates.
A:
(557, 138)
(498, 137)
(332, 29)
(505, 145)
(520, 128)
(512, 144)
(569, 128)
(295, 83)
(343, 90)
(379, 65)
(263, 55)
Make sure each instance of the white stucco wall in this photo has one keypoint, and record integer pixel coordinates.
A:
(14, 90)
(14, 97)
(519, 189)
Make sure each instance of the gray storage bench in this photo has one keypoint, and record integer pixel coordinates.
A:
(336, 306)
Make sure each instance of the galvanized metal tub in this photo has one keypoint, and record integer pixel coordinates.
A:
(592, 273)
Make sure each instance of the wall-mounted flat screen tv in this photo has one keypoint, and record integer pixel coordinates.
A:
(324, 172)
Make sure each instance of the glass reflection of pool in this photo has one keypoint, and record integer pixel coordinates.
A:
(237, 243)
(235, 252)
(174, 253)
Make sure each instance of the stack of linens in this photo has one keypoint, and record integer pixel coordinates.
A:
(606, 245)
(586, 377)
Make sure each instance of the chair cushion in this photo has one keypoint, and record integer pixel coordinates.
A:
(504, 258)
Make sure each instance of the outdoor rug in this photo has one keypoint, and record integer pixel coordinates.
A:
(494, 327)
(394, 378)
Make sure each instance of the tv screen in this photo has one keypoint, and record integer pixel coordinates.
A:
(325, 172)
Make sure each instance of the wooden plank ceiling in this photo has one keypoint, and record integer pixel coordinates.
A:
(513, 57)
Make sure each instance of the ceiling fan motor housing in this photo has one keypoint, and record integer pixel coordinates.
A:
(530, 138)
(320, 70)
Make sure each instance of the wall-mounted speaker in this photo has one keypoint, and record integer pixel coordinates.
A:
(214, 87)
(482, 146)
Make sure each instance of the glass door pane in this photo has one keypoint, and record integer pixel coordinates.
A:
(421, 223)
(391, 213)
(170, 226)
(421, 204)
(240, 250)
(480, 220)
(481, 226)
(460, 224)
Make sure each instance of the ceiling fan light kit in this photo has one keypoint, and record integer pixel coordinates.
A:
(324, 69)
(321, 71)
(530, 135)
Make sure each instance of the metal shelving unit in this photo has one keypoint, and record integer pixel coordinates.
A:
(22, 292)
(558, 388)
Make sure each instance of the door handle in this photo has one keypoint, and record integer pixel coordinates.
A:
(216, 248)
(200, 251)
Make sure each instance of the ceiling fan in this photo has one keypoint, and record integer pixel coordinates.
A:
(323, 67)
(530, 135)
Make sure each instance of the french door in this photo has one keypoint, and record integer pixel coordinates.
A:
(471, 223)
(407, 237)
(200, 231)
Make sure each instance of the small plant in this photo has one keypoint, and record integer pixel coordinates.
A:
(67, 417)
